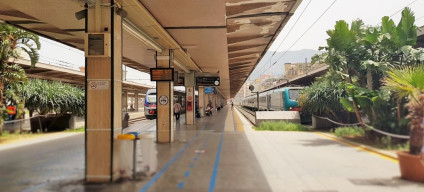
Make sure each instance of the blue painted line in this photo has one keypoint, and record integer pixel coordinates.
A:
(195, 159)
(215, 167)
(187, 173)
(191, 165)
(157, 176)
(180, 185)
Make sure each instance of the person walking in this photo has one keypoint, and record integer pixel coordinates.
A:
(177, 110)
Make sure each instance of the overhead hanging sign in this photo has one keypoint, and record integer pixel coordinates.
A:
(162, 74)
(207, 81)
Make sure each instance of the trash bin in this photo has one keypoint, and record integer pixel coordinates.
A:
(127, 167)
(148, 154)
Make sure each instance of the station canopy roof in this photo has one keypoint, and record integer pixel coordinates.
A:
(55, 73)
(225, 36)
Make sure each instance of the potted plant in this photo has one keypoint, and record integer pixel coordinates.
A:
(408, 82)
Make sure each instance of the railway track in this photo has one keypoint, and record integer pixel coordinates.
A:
(250, 115)
(134, 120)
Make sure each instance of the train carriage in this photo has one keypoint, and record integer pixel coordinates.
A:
(282, 99)
(263, 103)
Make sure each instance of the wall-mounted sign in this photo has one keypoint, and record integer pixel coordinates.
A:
(189, 94)
(162, 74)
(163, 100)
(207, 81)
(98, 85)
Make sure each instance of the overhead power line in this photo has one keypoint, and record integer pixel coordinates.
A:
(288, 33)
(400, 9)
(403, 8)
(297, 40)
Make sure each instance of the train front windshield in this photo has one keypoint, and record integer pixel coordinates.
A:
(151, 98)
(294, 94)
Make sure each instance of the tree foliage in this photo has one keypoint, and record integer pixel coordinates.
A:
(52, 96)
(12, 41)
(365, 58)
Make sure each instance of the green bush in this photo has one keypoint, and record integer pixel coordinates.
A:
(349, 131)
(280, 126)
(81, 129)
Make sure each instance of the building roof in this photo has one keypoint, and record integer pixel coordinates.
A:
(55, 73)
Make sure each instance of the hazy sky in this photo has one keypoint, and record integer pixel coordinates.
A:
(370, 11)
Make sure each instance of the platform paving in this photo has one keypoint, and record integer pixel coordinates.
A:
(309, 162)
(223, 153)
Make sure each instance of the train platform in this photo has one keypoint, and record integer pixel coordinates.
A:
(196, 158)
(223, 153)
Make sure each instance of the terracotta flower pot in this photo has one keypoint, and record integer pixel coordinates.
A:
(411, 167)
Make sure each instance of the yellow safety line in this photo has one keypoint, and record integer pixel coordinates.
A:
(239, 124)
(359, 147)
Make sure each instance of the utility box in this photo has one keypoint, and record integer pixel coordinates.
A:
(97, 45)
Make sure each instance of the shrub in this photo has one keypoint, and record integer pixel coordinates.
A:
(312, 98)
(349, 131)
(280, 126)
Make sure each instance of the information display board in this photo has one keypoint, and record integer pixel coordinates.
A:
(162, 74)
(207, 81)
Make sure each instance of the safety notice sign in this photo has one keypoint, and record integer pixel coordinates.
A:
(98, 85)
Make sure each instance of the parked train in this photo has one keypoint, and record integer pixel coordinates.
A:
(150, 102)
(282, 99)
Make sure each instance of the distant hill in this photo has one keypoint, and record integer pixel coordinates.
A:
(278, 67)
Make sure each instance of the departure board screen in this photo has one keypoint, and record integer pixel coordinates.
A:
(162, 74)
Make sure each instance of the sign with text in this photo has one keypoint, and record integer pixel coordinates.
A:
(207, 81)
(98, 85)
(162, 74)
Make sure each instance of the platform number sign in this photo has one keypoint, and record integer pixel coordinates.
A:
(163, 100)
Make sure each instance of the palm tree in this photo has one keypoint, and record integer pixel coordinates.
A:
(408, 82)
(12, 41)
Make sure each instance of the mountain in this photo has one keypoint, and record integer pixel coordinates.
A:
(275, 65)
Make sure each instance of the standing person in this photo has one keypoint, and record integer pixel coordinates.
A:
(11, 111)
(177, 110)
